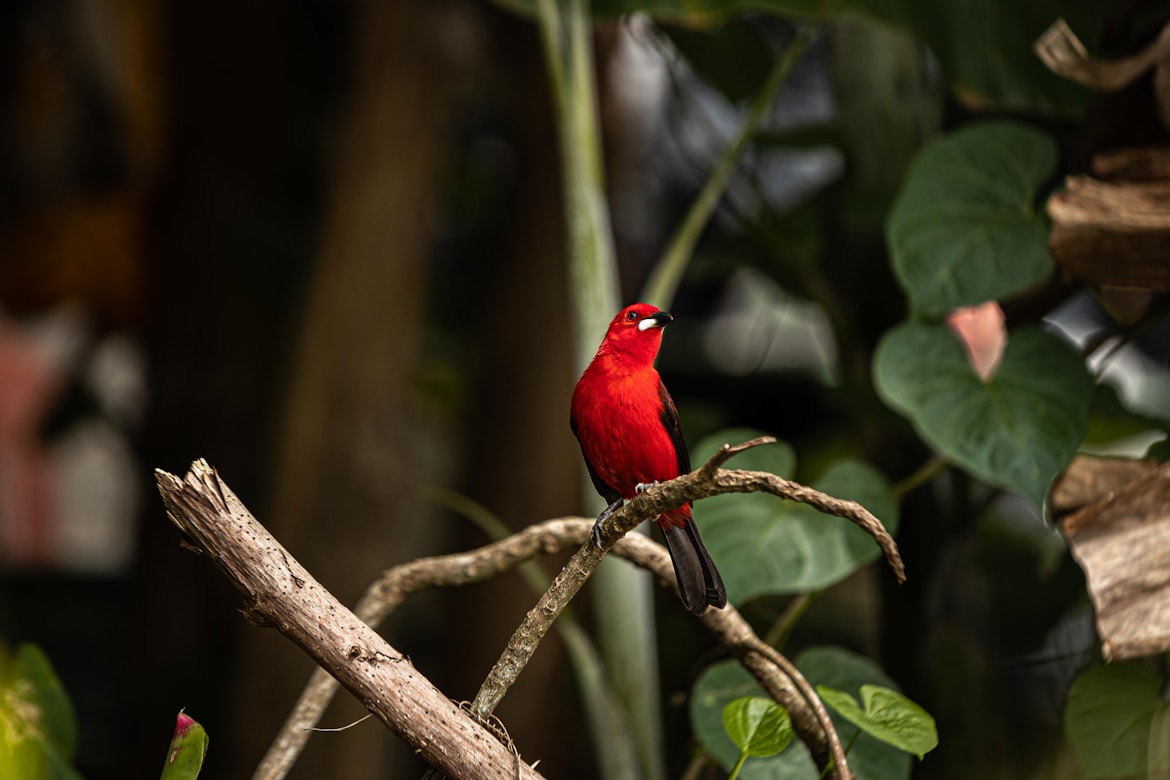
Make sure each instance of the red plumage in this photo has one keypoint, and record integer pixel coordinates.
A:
(628, 429)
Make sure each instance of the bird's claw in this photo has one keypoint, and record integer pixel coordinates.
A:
(595, 535)
(642, 487)
(595, 532)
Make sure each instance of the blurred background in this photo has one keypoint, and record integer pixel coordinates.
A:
(321, 245)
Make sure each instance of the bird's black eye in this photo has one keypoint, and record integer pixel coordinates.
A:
(631, 315)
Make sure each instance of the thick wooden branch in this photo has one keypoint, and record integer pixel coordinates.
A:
(281, 593)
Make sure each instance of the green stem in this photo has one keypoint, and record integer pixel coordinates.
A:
(924, 473)
(668, 272)
(735, 769)
(566, 33)
(778, 634)
(623, 595)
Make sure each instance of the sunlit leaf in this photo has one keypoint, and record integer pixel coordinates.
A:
(758, 726)
(1019, 430)
(726, 681)
(887, 715)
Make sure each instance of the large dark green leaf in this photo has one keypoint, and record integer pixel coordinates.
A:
(1113, 715)
(765, 545)
(724, 682)
(1018, 430)
(966, 226)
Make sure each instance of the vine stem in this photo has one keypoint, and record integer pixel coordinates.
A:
(668, 271)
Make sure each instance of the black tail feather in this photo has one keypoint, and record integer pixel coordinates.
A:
(699, 582)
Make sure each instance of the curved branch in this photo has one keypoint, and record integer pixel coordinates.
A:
(708, 480)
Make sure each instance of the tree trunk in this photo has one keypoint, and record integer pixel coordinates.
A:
(343, 493)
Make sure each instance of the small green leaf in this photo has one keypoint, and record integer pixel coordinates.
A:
(784, 547)
(1110, 720)
(888, 715)
(187, 750)
(759, 727)
(965, 227)
(1019, 429)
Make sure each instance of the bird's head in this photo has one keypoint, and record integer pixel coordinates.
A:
(636, 332)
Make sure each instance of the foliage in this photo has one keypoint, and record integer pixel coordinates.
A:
(1118, 722)
(1019, 429)
(759, 727)
(966, 227)
(765, 546)
(38, 732)
(724, 682)
(887, 715)
(957, 34)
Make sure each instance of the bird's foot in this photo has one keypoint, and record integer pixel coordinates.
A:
(642, 487)
(595, 533)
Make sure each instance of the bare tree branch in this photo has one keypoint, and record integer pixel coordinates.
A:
(206, 510)
(282, 594)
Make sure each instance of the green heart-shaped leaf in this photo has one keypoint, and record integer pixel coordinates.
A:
(759, 727)
(887, 715)
(1019, 429)
(764, 545)
(966, 226)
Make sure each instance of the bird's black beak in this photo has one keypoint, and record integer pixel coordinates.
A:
(656, 320)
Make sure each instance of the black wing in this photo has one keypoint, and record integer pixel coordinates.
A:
(608, 493)
(670, 422)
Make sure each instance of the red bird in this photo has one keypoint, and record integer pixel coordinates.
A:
(628, 429)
